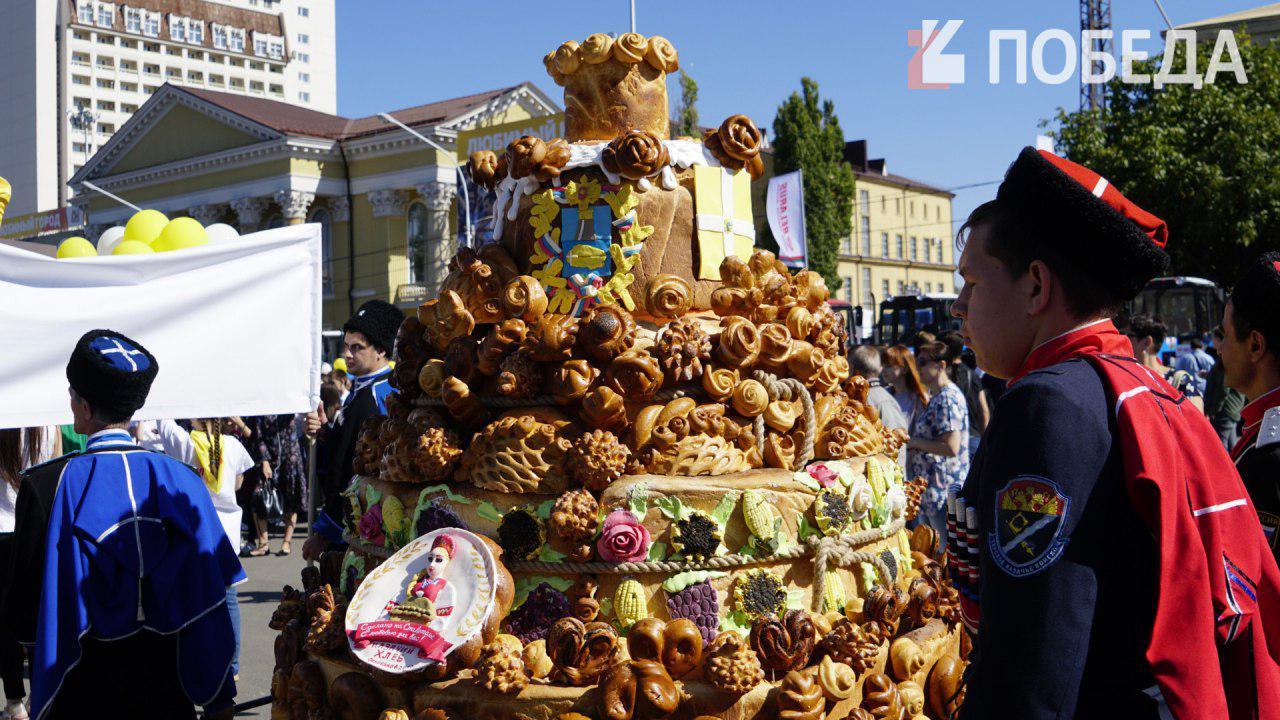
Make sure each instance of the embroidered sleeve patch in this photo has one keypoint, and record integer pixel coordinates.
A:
(1031, 513)
(1270, 523)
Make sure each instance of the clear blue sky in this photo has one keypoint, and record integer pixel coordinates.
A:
(747, 56)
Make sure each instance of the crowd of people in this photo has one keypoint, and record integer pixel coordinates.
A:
(1127, 568)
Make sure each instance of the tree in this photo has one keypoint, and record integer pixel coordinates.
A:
(1206, 161)
(807, 137)
(685, 122)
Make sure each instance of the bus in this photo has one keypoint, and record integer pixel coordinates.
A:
(1190, 307)
(905, 315)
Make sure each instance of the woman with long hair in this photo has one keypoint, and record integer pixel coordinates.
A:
(938, 449)
(20, 448)
(900, 374)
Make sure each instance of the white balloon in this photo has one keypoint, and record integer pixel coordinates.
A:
(221, 232)
(109, 239)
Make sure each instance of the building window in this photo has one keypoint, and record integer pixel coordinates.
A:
(846, 245)
(848, 289)
(928, 288)
(217, 80)
(304, 12)
(127, 43)
(79, 80)
(302, 57)
(177, 28)
(255, 85)
(77, 147)
(81, 103)
(219, 36)
(106, 39)
(195, 31)
(276, 50)
(304, 38)
(106, 14)
(898, 242)
(129, 107)
(304, 77)
(259, 45)
(901, 287)
(304, 96)
(866, 235)
(867, 299)
(106, 128)
(84, 11)
(416, 250)
(928, 249)
(913, 208)
(884, 244)
(129, 65)
(237, 40)
(106, 84)
(237, 83)
(151, 24)
(151, 69)
(914, 247)
(106, 105)
(321, 216)
(864, 202)
(884, 290)
(133, 19)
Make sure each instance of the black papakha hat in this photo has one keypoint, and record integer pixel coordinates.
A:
(112, 372)
(379, 321)
(1091, 224)
(1256, 298)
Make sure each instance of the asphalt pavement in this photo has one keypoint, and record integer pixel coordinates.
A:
(258, 599)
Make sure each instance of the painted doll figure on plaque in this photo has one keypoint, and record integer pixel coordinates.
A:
(424, 601)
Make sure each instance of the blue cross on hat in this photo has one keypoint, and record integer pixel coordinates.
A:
(120, 353)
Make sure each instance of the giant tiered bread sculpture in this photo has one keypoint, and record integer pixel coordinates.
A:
(655, 426)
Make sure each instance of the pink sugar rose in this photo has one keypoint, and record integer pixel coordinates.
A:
(825, 476)
(623, 538)
(370, 527)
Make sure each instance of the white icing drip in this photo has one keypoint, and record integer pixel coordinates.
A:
(643, 184)
(582, 155)
(667, 178)
(526, 185)
(685, 153)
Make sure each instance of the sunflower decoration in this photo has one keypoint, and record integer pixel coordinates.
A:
(697, 535)
(759, 593)
(832, 512)
(521, 533)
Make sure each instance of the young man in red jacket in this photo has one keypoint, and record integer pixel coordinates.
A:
(1120, 557)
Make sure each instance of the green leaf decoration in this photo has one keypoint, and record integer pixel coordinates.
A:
(749, 549)
(671, 507)
(487, 511)
(657, 552)
(869, 576)
(795, 599)
(526, 584)
(736, 622)
(606, 605)
(680, 581)
(433, 489)
(371, 495)
(546, 554)
(805, 530)
(725, 508)
(544, 510)
(805, 479)
(638, 501)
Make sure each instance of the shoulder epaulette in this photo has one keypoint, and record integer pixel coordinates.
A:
(60, 458)
(1269, 432)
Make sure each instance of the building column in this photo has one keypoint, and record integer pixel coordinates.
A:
(294, 205)
(388, 238)
(207, 214)
(249, 213)
(439, 198)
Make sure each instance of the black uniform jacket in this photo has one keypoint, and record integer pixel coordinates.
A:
(1067, 581)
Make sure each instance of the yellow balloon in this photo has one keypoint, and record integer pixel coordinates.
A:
(180, 233)
(145, 226)
(74, 247)
(132, 247)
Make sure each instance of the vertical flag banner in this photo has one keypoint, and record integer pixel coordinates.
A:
(784, 206)
(235, 325)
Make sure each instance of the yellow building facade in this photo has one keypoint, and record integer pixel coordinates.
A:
(902, 241)
(387, 202)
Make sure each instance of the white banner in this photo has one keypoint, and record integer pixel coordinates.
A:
(784, 206)
(235, 326)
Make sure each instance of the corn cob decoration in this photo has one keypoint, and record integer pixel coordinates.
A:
(629, 604)
(759, 515)
(834, 598)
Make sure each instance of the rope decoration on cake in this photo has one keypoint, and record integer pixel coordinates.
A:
(787, 390)
(505, 401)
(843, 551)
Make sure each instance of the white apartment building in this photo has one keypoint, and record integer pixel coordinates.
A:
(73, 71)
